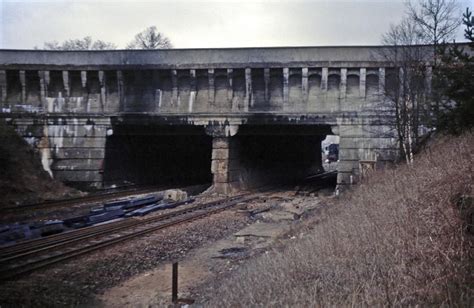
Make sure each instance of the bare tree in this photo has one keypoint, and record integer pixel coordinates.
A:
(150, 38)
(85, 43)
(406, 92)
(410, 94)
(438, 19)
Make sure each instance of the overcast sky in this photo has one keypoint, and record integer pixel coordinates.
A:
(196, 23)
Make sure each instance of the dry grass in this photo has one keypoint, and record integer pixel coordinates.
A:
(397, 240)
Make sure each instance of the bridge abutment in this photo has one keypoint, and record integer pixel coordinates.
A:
(72, 149)
(362, 140)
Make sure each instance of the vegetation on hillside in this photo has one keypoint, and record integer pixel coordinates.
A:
(22, 178)
(455, 77)
(399, 239)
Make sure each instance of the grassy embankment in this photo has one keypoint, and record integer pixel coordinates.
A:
(399, 239)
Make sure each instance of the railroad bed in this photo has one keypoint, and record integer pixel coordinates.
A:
(93, 198)
(32, 223)
(28, 256)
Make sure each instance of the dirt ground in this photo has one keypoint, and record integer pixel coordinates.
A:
(138, 273)
(205, 265)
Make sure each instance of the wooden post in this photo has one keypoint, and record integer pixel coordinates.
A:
(174, 283)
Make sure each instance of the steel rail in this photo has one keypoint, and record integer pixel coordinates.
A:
(41, 245)
(31, 265)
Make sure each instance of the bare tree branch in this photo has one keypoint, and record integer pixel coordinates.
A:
(85, 43)
(150, 38)
(438, 19)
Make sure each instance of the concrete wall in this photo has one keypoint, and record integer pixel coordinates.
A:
(71, 148)
(67, 100)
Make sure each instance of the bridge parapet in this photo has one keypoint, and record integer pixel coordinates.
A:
(250, 90)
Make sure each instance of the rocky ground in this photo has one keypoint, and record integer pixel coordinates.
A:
(137, 273)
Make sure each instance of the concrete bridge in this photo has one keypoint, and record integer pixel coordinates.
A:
(240, 117)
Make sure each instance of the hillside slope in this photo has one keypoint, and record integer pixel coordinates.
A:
(399, 239)
(22, 178)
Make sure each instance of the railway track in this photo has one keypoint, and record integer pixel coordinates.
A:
(90, 199)
(32, 255)
(86, 199)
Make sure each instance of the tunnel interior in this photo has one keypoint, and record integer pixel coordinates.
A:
(280, 154)
(157, 155)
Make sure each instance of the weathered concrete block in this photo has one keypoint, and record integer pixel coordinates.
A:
(366, 131)
(220, 143)
(220, 153)
(77, 164)
(224, 165)
(175, 195)
(226, 188)
(77, 142)
(78, 176)
(364, 154)
(347, 165)
(85, 153)
(367, 142)
(346, 178)
(232, 176)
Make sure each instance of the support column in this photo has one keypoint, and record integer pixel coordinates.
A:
(230, 86)
(192, 91)
(381, 80)
(401, 78)
(324, 79)
(212, 88)
(286, 82)
(120, 90)
(174, 84)
(304, 83)
(43, 87)
(343, 88)
(23, 86)
(225, 165)
(103, 102)
(266, 79)
(84, 78)
(3, 85)
(362, 81)
(66, 83)
(248, 89)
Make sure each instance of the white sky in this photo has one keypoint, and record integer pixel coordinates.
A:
(196, 23)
